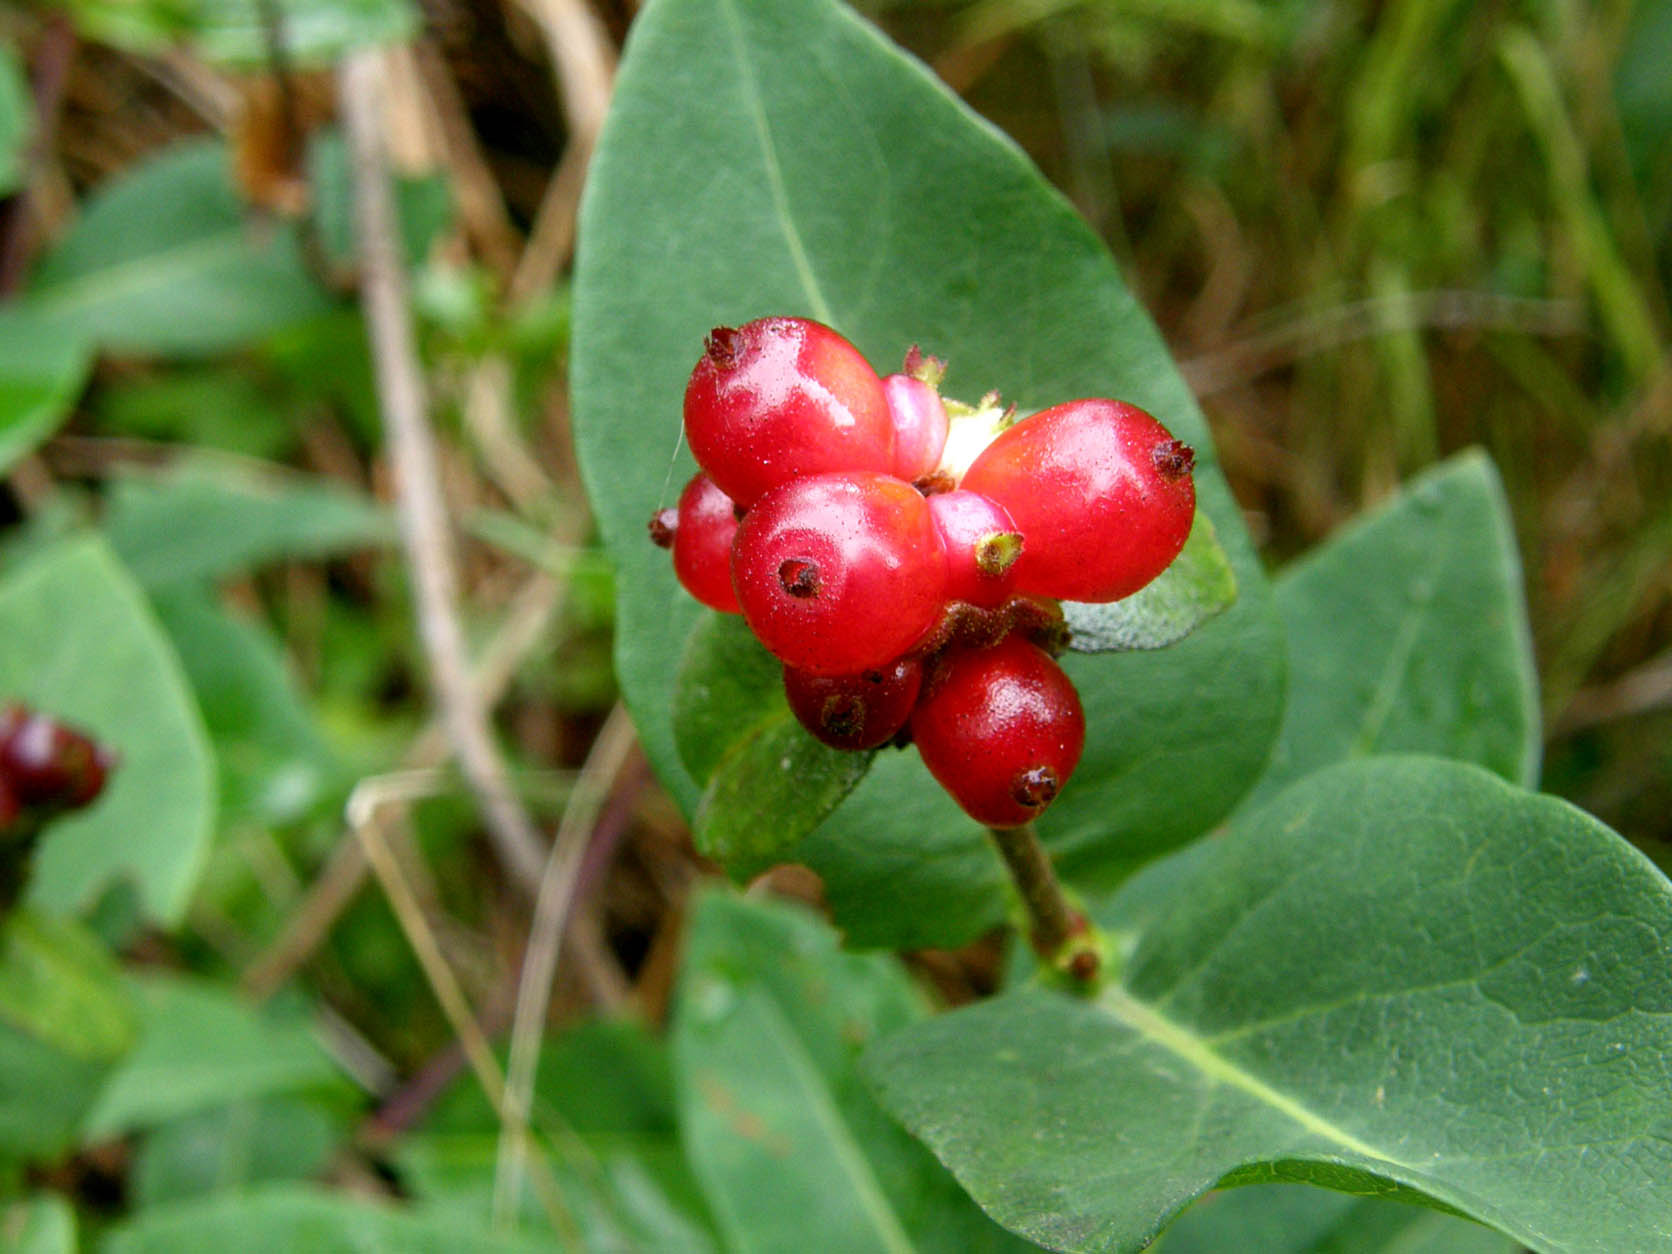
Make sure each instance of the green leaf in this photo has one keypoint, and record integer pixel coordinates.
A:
(82, 644)
(1408, 634)
(233, 1147)
(767, 782)
(41, 374)
(274, 764)
(604, 1104)
(770, 1020)
(201, 1047)
(727, 685)
(162, 260)
(1198, 585)
(1293, 1219)
(232, 32)
(64, 1021)
(17, 122)
(783, 158)
(207, 518)
(41, 1224)
(282, 1219)
(1402, 971)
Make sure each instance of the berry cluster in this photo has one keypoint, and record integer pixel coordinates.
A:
(903, 555)
(46, 769)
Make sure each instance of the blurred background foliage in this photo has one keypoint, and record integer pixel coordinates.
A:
(1374, 233)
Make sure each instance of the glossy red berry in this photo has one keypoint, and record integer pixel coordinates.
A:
(920, 424)
(48, 765)
(779, 398)
(839, 573)
(1001, 729)
(701, 539)
(982, 547)
(1101, 491)
(855, 711)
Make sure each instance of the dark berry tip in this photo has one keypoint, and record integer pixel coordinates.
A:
(663, 524)
(1174, 459)
(843, 717)
(1084, 965)
(799, 577)
(722, 346)
(1035, 788)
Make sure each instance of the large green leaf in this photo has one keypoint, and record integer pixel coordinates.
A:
(235, 32)
(282, 1219)
(233, 1147)
(1408, 634)
(201, 1047)
(783, 158)
(43, 1223)
(163, 261)
(41, 373)
(64, 1021)
(791, 1149)
(82, 645)
(209, 518)
(1402, 973)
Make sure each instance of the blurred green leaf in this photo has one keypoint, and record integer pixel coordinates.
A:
(284, 1219)
(82, 644)
(41, 374)
(43, 1223)
(163, 260)
(233, 1147)
(206, 519)
(210, 405)
(1408, 634)
(768, 1027)
(604, 1105)
(782, 158)
(201, 1046)
(1198, 585)
(423, 206)
(233, 31)
(65, 1019)
(1403, 973)
(1295, 1219)
(17, 121)
(275, 766)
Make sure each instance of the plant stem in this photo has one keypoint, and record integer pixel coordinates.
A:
(1061, 936)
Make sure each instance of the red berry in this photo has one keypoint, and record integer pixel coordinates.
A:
(839, 573)
(855, 711)
(982, 546)
(920, 425)
(11, 809)
(702, 540)
(778, 398)
(1101, 490)
(47, 764)
(1001, 729)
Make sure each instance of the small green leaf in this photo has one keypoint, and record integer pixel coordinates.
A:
(163, 261)
(234, 32)
(1295, 1219)
(234, 1147)
(207, 518)
(1408, 634)
(1401, 971)
(1198, 585)
(791, 1149)
(17, 122)
(727, 685)
(200, 1047)
(64, 1021)
(773, 786)
(82, 645)
(285, 1218)
(42, 372)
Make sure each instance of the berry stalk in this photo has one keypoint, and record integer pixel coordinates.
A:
(1064, 938)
